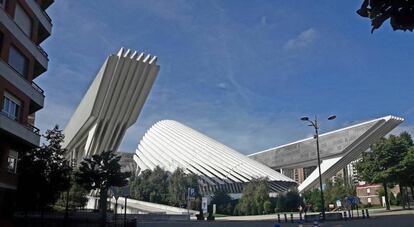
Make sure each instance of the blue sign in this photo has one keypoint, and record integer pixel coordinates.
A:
(191, 193)
(352, 200)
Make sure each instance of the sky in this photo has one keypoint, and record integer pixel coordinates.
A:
(242, 72)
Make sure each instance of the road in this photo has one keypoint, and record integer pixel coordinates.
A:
(404, 220)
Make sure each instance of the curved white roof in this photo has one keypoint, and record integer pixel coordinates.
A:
(170, 144)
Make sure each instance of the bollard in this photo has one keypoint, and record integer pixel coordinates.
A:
(278, 218)
(366, 213)
(363, 213)
(291, 217)
(349, 213)
(315, 223)
(285, 218)
(345, 215)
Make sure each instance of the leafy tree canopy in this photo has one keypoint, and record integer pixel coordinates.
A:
(43, 173)
(399, 12)
(101, 171)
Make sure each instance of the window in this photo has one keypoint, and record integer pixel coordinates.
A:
(12, 161)
(368, 190)
(2, 3)
(11, 106)
(369, 200)
(23, 20)
(18, 61)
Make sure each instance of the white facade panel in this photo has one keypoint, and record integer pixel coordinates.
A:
(111, 104)
(169, 144)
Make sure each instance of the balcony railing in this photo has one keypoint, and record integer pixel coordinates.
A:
(36, 45)
(37, 88)
(27, 125)
(33, 128)
(33, 84)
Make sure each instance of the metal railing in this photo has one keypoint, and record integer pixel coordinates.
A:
(29, 126)
(36, 45)
(33, 84)
(33, 128)
(37, 88)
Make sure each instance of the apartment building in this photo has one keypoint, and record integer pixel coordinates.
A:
(24, 25)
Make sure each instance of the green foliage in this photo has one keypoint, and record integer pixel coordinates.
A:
(160, 186)
(400, 13)
(77, 197)
(336, 190)
(289, 202)
(43, 173)
(101, 171)
(178, 185)
(223, 202)
(313, 199)
(391, 160)
(151, 186)
(267, 207)
(254, 195)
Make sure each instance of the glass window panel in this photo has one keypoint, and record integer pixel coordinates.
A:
(23, 20)
(18, 61)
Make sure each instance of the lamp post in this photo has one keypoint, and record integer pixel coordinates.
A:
(315, 125)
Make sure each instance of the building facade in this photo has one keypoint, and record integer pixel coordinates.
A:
(170, 145)
(338, 149)
(111, 105)
(24, 25)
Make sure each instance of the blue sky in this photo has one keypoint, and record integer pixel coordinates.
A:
(242, 72)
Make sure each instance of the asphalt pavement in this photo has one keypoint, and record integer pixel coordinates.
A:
(403, 220)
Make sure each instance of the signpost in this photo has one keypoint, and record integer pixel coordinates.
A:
(191, 195)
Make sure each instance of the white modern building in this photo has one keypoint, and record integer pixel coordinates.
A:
(171, 145)
(337, 149)
(111, 104)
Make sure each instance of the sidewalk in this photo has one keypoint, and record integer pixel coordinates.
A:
(372, 212)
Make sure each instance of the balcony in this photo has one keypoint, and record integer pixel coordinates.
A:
(45, 28)
(26, 133)
(8, 180)
(38, 53)
(32, 90)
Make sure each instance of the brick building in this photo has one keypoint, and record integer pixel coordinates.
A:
(369, 193)
(24, 25)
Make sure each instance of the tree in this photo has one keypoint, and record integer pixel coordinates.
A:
(293, 200)
(383, 163)
(178, 185)
(267, 207)
(223, 202)
(101, 171)
(77, 197)
(400, 13)
(254, 195)
(313, 199)
(151, 186)
(43, 173)
(337, 190)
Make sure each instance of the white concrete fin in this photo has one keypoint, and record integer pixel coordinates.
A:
(140, 56)
(127, 53)
(120, 52)
(146, 58)
(153, 60)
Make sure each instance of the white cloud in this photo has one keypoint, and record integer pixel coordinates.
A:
(303, 40)
(222, 85)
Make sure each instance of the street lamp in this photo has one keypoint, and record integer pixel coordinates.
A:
(315, 125)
